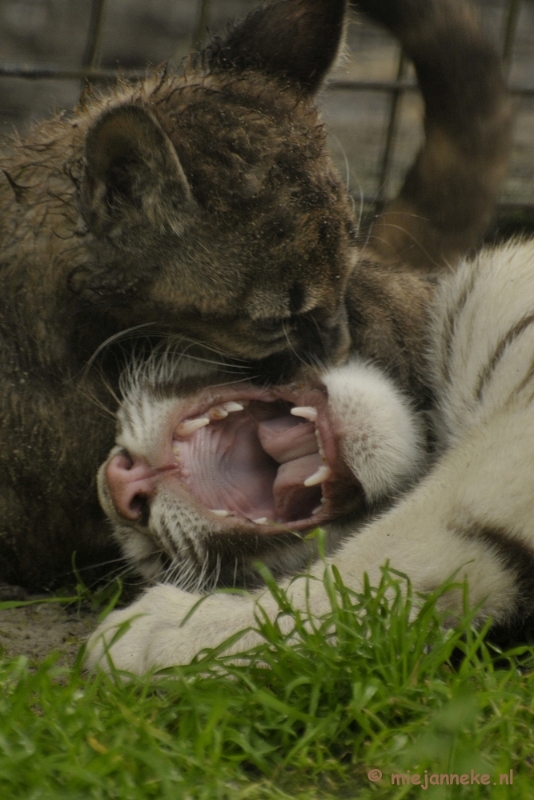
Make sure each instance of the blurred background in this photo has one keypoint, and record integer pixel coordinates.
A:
(50, 48)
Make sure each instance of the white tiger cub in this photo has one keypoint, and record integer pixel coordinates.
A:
(472, 513)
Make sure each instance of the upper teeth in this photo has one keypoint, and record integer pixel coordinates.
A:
(218, 412)
(189, 426)
(308, 412)
(222, 411)
(232, 406)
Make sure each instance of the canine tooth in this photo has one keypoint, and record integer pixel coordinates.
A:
(322, 474)
(260, 521)
(319, 443)
(218, 412)
(317, 510)
(308, 412)
(191, 425)
(232, 406)
(220, 512)
(176, 449)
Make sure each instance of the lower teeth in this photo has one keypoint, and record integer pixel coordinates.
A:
(322, 474)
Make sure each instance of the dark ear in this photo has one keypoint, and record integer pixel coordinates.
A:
(131, 168)
(293, 39)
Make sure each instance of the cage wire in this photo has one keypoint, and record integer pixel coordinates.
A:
(371, 103)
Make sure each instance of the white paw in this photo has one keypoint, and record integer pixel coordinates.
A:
(151, 633)
(382, 438)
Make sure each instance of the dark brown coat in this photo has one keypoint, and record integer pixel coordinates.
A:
(206, 204)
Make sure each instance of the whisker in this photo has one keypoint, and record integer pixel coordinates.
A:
(115, 338)
(99, 565)
(414, 239)
(295, 353)
(360, 210)
(345, 159)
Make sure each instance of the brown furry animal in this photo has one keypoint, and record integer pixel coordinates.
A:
(206, 204)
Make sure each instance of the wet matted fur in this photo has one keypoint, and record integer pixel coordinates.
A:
(205, 203)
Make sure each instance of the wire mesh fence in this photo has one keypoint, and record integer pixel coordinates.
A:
(50, 48)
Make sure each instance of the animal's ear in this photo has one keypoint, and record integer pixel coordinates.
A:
(130, 167)
(293, 39)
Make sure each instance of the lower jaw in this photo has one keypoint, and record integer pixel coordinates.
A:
(237, 561)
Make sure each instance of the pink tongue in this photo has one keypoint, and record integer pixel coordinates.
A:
(287, 438)
(292, 499)
(292, 442)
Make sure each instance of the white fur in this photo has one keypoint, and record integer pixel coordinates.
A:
(484, 481)
(380, 434)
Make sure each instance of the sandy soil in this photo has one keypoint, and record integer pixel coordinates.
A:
(37, 630)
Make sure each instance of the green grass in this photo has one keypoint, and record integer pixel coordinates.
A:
(302, 721)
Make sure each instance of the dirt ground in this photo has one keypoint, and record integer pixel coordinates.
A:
(38, 629)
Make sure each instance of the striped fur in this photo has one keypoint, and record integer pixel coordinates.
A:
(471, 516)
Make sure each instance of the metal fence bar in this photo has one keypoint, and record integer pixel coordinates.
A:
(370, 202)
(510, 30)
(396, 88)
(202, 23)
(38, 72)
(503, 205)
(391, 134)
(91, 55)
(405, 86)
(41, 72)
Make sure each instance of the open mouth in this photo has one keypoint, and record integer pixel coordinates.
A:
(252, 460)
(263, 457)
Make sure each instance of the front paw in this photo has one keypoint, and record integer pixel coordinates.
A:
(152, 634)
(123, 639)
(381, 437)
